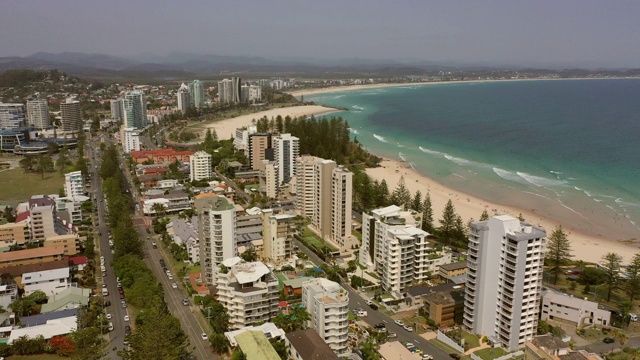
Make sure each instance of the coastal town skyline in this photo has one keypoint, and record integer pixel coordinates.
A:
(587, 34)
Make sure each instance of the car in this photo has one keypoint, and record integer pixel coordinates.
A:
(126, 318)
(107, 303)
(174, 285)
(104, 286)
(185, 302)
(148, 231)
(379, 325)
(368, 302)
(427, 357)
(373, 307)
(608, 340)
(124, 304)
(408, 328)
(170, 277)
(392, 335)
(110, 326)
(399, 323)
(454, 356)
(204, 336)
(108, 316)
(119, 284)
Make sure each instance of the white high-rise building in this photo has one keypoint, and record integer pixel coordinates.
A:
(328, 304)
(250, 93)
(277, 235)
(269, 181)
(38, 113)
(130, 138)
(287, 150)
(71, 115)
(11, 115)
(200, 166)
(248, 290)
(235, 90)
(241, 141)
(184, 98)
(74, 184)
(225, 91)
(217, 232)
(394, 246)
(196, 90)
(504, 280)
(117, 109)
(135, 110)
(324, 193)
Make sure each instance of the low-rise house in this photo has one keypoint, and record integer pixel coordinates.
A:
(161, 156)
(270, 330)
(70, 298)
(574, 310)
(185, 233)
(255, 345)
(8, 294)
(454, 272)
(42, 319)
(55, 327)
(70, 243)
(446, 307)
(78, 262)
(51, 282)
(293, 287)
(31, 256)
(174, 201)
(546, 347)
(308, 345)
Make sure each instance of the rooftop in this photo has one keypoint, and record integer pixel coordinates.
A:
(454, 266)
(41, 319)
(550, 342)
(310, 345)
(158, 152)
(255, 345)
(47, 275)
(10, 256)
(270, 330)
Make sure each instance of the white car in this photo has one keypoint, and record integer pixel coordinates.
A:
(399, 323)
(408, 328)
(110, 326)
(126, 318)
(174, 285)
(170, 277)
(108, 316)
(204, 336)
(368, 302)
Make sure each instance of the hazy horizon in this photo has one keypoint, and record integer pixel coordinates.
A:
(586, 33)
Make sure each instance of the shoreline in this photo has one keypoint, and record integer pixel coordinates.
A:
(585, 246)
(227, 127)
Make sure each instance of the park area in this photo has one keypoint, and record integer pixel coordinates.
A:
(312, 241)
(16, 185)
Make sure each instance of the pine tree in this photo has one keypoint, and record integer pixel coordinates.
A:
(401, 196)
(611, 263)
(448, 222)
(484, 216)
(632, 273)
(427, 214)
(558, 252)
(417, 202)
(382, 193)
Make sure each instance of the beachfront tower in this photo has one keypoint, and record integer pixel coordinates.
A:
(504, 280)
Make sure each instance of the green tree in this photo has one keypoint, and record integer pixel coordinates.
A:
(27, 163)
(558, 252)
(632, 272)
(52, 148)
(401, 195)
(249, 255)
(427, 214)
(447, 228)
(219, 343)
(281, 348)
(62, 161)
(45, 164)
(611, 264)
(484, 216)
(369, 349)
(417, 202)
(382, 194)
(238, 355)
(520, 217)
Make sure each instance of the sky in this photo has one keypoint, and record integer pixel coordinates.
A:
(502, 32)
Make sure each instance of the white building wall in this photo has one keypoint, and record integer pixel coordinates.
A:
(287, 149)
(74, 184)
(328, 304)
(130, 140)
(38, 113)
(11, 115)
(200, 163)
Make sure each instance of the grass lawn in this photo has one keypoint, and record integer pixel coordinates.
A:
(310, 238)
(490, 353)
(470, 339)
(17, 185)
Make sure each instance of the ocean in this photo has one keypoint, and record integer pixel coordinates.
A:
(565, 149)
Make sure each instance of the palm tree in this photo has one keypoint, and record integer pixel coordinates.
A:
(299, 317)
(158, 209)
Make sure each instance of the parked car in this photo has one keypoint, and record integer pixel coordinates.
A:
(408, 328)
(379, 325)
(126, 318)
(110, 326)
(174, 285)
(185, 302)
(608, 340)
(108, 316)
(392, 335)
(373, 306)
(399, 323)
(204, 336)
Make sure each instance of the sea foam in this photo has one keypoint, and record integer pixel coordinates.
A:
(380, 138)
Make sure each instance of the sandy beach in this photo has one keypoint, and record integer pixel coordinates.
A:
(585, 247)
(227, 128)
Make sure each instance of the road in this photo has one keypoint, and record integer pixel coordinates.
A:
(233, 185)
(602, 348)
(374, 317)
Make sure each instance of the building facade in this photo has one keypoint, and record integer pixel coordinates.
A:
(184, 98)
(574, 310)
(135, 110)
(287, 150)
(11, 116)
(38, 113)
(71, 116)
(504, 280)
(241, 141)
(130, 140)
(74, 184)
(14, 234)
(196, 91)
(117, 109)
(249, 292)
(328, 304)
(278, 231)
(260, 148)
(216, 230)
(200, 166)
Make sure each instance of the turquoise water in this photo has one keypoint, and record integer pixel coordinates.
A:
(567, 149)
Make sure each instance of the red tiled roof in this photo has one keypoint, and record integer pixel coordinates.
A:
(159, 152)
(22, 216)
(283, 304)
(78, 260)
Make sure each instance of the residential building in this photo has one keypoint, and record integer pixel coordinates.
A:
(293, 287)
(328, 304)
(235, 90)
(14, 234)
(269, 329)
(249, 230)
(69, 210)
(8, 294)
(453, 272)
(547, 347)
(31, 256)
(43, 218)
(504, 280)
(577, 311)
(38, 113)
(130, 139)
(200, 166)
(308, 345)
(74, 184)
(249, 292)
(69, 298)
(41, 319)
(135, 110)
(324, 193)
(260, 148)
(250, 93)
(161, 156)
(287, 150)
(278, 231)
(172, 202)
(241, 141)
(70, 243)
(196, 91)
(446, 308)
(185, 233)
(225, 91)
(394, 246)
(216, 230)
(71, 116)
(184, 98)
(11, 116)
(117, 109)
(256, 345)
(269, 183)
(50, 282)
(55, 327)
